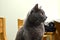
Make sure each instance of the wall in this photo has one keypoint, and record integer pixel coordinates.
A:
(14, 9)
(59, 7)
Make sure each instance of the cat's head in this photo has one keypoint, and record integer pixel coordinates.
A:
(37, 15)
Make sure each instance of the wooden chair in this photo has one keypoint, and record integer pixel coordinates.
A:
(57, 33)
(20, 23)
(48, 34)
(2, 29)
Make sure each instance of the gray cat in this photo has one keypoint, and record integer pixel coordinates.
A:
(33, 28)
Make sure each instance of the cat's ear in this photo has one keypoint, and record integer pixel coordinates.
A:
(35, 7)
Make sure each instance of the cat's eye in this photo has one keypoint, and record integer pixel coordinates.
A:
(41, 13)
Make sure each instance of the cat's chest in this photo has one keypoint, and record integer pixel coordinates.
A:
(36, 31)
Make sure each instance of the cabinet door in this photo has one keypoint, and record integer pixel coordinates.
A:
(1, 25)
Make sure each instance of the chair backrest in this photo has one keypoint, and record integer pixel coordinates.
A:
(20, 23)
(3, 29)
(57, 33)
(57, 25)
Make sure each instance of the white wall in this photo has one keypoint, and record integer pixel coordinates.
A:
(59, 7)
(14, 9)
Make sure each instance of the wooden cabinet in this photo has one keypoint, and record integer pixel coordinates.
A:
(2, 29)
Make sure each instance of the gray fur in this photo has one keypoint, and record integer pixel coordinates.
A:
(33, 28)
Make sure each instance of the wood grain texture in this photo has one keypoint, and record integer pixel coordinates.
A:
(2, 29)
